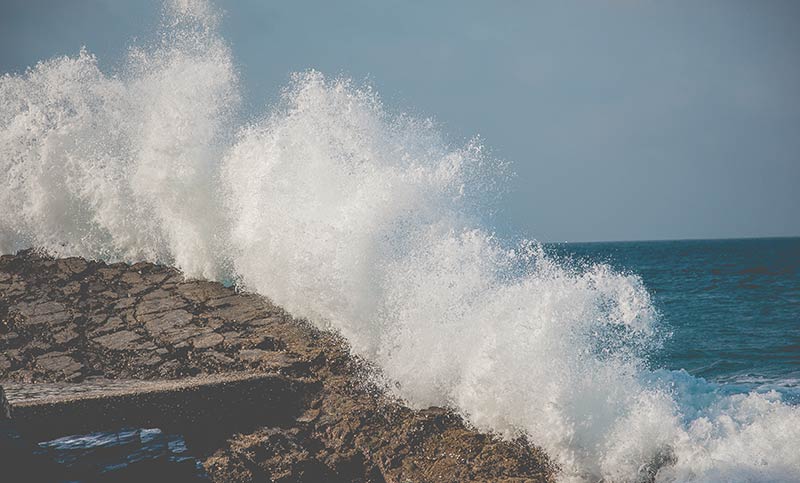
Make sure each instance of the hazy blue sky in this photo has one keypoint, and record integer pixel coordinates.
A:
(624, 119)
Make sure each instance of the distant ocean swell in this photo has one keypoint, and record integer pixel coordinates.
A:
(367, 222)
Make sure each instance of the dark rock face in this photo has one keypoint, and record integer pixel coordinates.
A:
(73, 320)
(5, 409)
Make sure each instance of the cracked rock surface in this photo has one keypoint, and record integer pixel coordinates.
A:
(73, 320)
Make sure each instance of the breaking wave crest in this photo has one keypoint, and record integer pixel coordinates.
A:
(370, 223)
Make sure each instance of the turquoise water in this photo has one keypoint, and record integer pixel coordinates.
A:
(731, 308)
(131, 454)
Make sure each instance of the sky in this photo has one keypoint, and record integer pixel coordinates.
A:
(623, 120)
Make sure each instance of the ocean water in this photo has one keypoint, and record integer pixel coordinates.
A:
(732, 306)
(624, 361)
(127, 455)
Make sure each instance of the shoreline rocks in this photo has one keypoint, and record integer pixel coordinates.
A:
(72, 320)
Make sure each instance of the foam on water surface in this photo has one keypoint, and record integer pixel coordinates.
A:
(370, 223)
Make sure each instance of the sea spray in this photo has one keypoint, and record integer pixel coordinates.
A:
(121, 166)
(370, 223)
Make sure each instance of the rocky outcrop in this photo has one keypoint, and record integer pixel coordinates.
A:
(73, 320)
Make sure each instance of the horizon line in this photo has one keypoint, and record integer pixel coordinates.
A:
(656, 240)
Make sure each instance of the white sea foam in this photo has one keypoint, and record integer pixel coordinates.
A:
(367, 222)
(120, 166)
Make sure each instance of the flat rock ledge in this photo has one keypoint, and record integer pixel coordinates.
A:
(69, 323)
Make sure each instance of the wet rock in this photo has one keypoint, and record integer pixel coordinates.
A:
(268, 343)
(158, 305)
(206, 341)
(13, 355)
(168, 368)
(105, 325)
(215, 322)
(240, 310)
(199, 291)
(125, 303)
(60, 363)
(72, 288)
(235, 340)
(166, 321)
(40, 308)
(108, 274)
(66, 335)
(221, 301)
(15, 288)
(43, 313)
(9, 338)
(72, 266)
(175, 327)
(132, 278)
(148, 359)
(267, 359)
(266, 322)
(120, 341)
(216, 359)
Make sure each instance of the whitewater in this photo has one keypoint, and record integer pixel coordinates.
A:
(371, 223)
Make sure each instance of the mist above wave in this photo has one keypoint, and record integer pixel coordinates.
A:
(370, 223)
(121, 166)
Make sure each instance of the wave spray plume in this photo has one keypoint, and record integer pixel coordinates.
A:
(369, 223)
